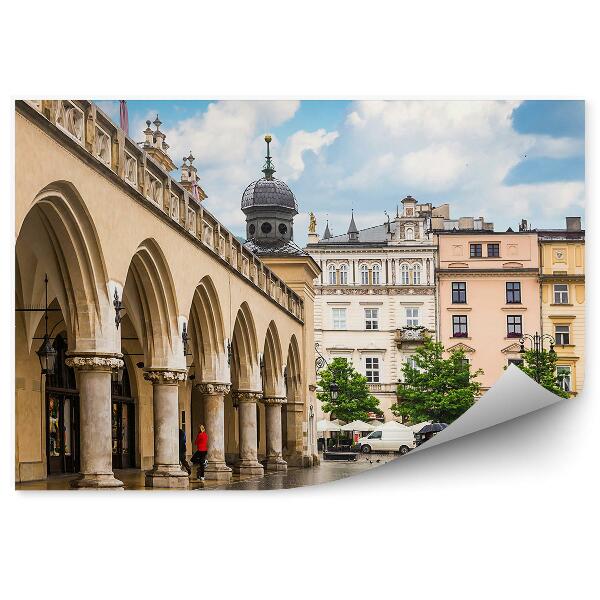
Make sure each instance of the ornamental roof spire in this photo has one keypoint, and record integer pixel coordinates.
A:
(269, 167)
(327, 233)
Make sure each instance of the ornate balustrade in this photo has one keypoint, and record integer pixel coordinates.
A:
(411, 335)
(88, 126)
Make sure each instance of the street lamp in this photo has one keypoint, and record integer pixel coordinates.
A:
(536, 342)
(47, 352)
(334, 389)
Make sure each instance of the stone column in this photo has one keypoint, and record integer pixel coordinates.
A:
(213, 396)
(248, 464)
(95, 419)
(275, 460)
(167, 472)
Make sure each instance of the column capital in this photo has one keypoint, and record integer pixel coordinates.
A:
(213, 388)
(275, 400)
(165, 376)
(95, 362)
(247, 395)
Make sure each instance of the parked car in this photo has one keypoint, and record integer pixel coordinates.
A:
(388, 440)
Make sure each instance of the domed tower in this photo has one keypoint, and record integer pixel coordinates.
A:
(270, 207)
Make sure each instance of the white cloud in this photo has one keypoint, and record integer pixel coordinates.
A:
(299, 143)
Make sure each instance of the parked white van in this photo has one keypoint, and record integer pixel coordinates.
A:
(390, 437)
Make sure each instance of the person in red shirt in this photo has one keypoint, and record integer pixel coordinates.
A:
(201, 444)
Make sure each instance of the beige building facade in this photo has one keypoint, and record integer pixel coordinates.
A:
(375, 298)
(562, 280)
(160, 318)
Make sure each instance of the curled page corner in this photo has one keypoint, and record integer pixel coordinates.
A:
(513, 395)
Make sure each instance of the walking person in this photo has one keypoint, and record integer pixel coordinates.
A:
(201, 444)
(182, 451)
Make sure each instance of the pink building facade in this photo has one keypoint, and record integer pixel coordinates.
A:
(488, 296)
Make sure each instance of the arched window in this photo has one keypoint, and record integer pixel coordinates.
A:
(376, 274)
(417, 274)
(332, 277)
(409, 233)
(344, 275)
(404, 270)
(364, 275)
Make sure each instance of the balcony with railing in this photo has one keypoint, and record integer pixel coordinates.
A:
(411, 336)
(85, 124)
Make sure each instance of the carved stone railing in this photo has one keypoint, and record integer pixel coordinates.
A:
(411, 335)
(382, 387)
(88, 126)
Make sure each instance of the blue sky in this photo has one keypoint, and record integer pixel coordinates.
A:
(503, 160)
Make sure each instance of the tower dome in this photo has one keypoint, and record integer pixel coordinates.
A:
(269, 206)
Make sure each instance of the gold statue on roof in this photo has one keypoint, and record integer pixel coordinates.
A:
(312, 223)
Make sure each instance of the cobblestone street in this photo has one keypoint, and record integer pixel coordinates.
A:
(295, 477)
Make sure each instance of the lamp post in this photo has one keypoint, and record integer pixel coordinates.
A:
(536, 341)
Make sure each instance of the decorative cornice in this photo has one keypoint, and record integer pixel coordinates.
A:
(165, 376)
(248, 396)
(213, 388)
(110, 362)
(460, 346)
(274, 400)
(423, 290)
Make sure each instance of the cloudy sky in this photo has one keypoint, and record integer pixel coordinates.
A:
(503, 160)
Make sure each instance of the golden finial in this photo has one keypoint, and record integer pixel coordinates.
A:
(268, 138)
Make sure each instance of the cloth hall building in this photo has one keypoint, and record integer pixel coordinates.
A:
(138, 312)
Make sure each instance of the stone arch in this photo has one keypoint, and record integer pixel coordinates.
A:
(206, 330)
(151, 305)
(244, 366)
(273, 383)
(57, 237)
(293, 369)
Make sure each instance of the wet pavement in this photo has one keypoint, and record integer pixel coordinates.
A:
(294, 477)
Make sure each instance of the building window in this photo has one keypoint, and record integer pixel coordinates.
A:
(561, 293)
(410, 360)
(493, 250)
(372, 370)
(417, 274)
(376, 274)
(410, 233)
(364, 275)
(562, 335)
(344, 275)
(515, 361)
(412, 317)
(459, 292)
(514, 326)
(513, 292)
(475, 251)
(371, 318)
(404, 270)
(563, 375)
(339, 318)
(459, 326)
(332, 275)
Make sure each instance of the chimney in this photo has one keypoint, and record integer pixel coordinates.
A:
(573, 223)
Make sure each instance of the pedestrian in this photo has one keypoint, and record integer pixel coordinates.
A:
(182, 451)
(202, 447)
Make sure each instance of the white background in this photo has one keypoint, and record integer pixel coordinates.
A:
(507, 513)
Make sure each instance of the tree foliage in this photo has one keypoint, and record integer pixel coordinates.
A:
(436, 389)
(543, 364)
(354, 400)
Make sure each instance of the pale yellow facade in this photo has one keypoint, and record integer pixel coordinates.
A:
(562, 259)
(210, 333)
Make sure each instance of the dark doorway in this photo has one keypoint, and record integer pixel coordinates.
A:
(123, 424)
(62, 415)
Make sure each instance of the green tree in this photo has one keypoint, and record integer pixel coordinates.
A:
(436, 389)
(354, 400)
(543, 364)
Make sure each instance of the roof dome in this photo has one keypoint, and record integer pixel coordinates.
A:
(270, 193)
